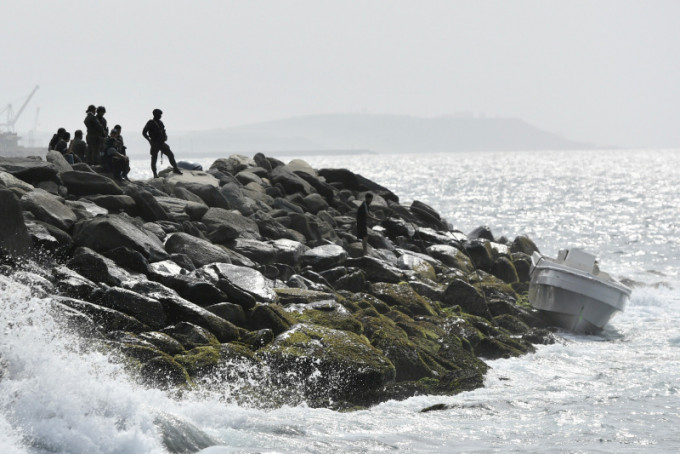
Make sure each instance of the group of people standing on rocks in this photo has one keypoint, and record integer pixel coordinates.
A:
(107, 149)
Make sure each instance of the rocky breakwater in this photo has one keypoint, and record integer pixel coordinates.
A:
(252, 269)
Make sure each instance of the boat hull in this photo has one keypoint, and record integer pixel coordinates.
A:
(574, 300)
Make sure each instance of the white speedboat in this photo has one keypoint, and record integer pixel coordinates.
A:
(572, 293)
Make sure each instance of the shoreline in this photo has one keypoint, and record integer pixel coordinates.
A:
(255, 262)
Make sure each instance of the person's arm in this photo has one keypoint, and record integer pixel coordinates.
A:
(145, 131)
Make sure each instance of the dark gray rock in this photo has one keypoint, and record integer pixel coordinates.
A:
(356, 182)
(233, 164)
(149, 208)
(31, 170)
(14, 236)
(246, 279)
(324, 257)
(190, 335)
(504, 269)
(48, 208)
(233, 313)
(129, 259)
(480, 254)
(353, 282)
(481, 233)
(85, 209)
(292, 183)
(115, 203)
(233, 224)
(109, 319)
(467, 297)
(271, 317)
(177, 206)
(98, 268)
(147, 310)
(162, 342)
(104, 233)
(376, 270)
(208, 193)
(86, 183)
(258, 251)
(523, 244)
(289, 251)
(201, 252)
(450, 256)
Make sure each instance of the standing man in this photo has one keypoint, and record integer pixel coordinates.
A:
(363, 214)
(96, 133)
(154, 132)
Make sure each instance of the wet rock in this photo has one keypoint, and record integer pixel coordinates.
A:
(9, 181)
(190, 335)
(348, 365)
(289, 251)
(201, 252)
(467, 297)
(98, 268)
(353, 282)
(129, 259)
(104, 233)
(522, 264)
(109, 319)
(376, 270)
(162, 342)
(356, 182)
(479, 253)
(258, 339)
(504, 269)
(176, 206)
(258, 251)
(86, 183)
(324, 257)
(14, 236)
(48, 208)
(85, 209)
(450, 256)
(164, 372)
(271, 317)
(402, 297)
(230, 312)
(427, 215)
(233, 164)
(245, 279)
(146, 310)
(177, 310)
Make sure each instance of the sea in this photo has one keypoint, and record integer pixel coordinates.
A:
(616, 392)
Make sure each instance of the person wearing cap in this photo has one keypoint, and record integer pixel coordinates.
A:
(95, 135)
(154, 133)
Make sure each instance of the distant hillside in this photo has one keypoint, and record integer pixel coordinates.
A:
(380, 133)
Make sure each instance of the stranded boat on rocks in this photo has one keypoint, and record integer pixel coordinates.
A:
(573, 293)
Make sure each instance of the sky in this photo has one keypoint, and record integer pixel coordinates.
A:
(599, 71)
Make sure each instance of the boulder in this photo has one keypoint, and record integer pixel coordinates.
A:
(128, 258)
(201, 252)
(178, 310)
(114, 203)
(288, 251)
(233, 164)
(98, 268)
(450, 256)
(145, 309)
(230, 312)
(291, 183)
(176, 205)
(245, 279)
(402, 297)
(149, 208)
(59, 161)
(84, 209)
(109, 319)
(324, 257)
(376, 270)
(467, 297)
(14, 236)
(87, 183)
(162, 342)
(480, 254)
(271, 317)
(208, 193)
(229, 225)
(49, 208)
(481, 233)
(31, 170)
(329, 364)
(190, 336)
(104, 233)
(427, 215)
(504, 269)
(258, 251)
(9, 181)
(523, 244)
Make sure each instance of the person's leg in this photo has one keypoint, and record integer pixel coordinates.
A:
(364, 243)
(171, 158)
(154, 158)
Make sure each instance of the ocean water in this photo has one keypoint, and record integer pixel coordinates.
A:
(615, 392)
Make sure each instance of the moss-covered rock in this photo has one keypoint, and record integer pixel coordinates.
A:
(164, 372)
(331, 364)
(200, 360)
(269, 316)
(401, 296)
(504, 269)
(190, 335)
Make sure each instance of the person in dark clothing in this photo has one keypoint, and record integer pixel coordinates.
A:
(55, 139)
(95, 135)
(120, 146)
(62, 147)
(78, 147)
(154, 132)
(363, 213)
(112, 160)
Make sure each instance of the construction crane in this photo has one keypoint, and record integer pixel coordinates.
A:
(11, 118)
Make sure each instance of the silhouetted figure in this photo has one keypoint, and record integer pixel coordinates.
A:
(96, 133)
(120, 146)
(154, 132)
(363, 213)
(62, 147)
(55, 139)
(78, 147)
(112, 160)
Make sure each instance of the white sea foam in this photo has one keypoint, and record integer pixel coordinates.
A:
(617, 392)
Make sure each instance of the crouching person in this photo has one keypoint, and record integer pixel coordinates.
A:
(113, 160)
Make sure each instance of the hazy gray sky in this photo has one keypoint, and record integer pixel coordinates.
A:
(603, 71)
